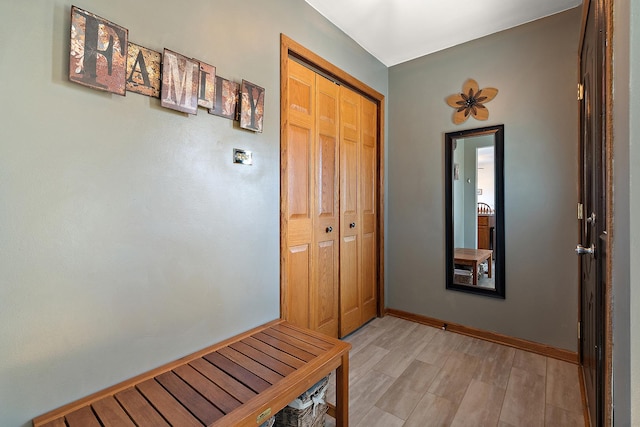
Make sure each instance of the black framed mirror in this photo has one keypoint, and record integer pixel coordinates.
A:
(474, 211)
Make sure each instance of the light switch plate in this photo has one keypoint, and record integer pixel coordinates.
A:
(242, 157)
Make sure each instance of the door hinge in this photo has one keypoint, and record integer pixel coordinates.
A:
(580, 211)
(580, 92)
(579, 327)
(597, 353)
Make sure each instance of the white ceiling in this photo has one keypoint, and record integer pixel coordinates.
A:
(396, 31)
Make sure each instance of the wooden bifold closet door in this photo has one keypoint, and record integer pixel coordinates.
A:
(329, 206)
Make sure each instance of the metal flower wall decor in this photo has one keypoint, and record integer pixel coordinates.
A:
(470, 102)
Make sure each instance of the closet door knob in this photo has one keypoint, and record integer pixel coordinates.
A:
(329, 229)
(352, 225)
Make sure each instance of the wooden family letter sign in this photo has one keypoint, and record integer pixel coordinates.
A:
(226, 104)
(207, 86)
(143, 70)
(251, 106)
(101, 57)
(180, 82)
(98, 52)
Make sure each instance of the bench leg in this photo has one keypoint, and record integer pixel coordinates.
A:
(342, 393)
(475, 273)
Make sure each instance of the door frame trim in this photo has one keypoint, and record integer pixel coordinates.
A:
(289, 48)
(607, 105)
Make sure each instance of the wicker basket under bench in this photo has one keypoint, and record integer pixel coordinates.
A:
(242, 381)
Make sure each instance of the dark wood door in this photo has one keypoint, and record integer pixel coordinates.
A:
(593, 245)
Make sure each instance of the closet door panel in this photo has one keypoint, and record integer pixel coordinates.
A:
(368, 203)
(350, 220)
(350, 318)
(298, 274)
(324, 291)
(301, 92)
(349, 159)
(324, 298)
(300, 168)
(298, 204)
(369, 291)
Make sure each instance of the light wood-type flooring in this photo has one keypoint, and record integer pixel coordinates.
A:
(408, 374)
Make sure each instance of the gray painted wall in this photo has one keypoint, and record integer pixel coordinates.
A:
(534, 68)
(128, 237)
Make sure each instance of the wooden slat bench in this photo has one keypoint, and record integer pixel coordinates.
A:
(239, 382)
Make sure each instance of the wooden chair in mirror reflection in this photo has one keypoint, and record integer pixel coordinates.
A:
(486, 226)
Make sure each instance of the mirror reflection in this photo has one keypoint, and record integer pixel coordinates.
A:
(474, 193)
